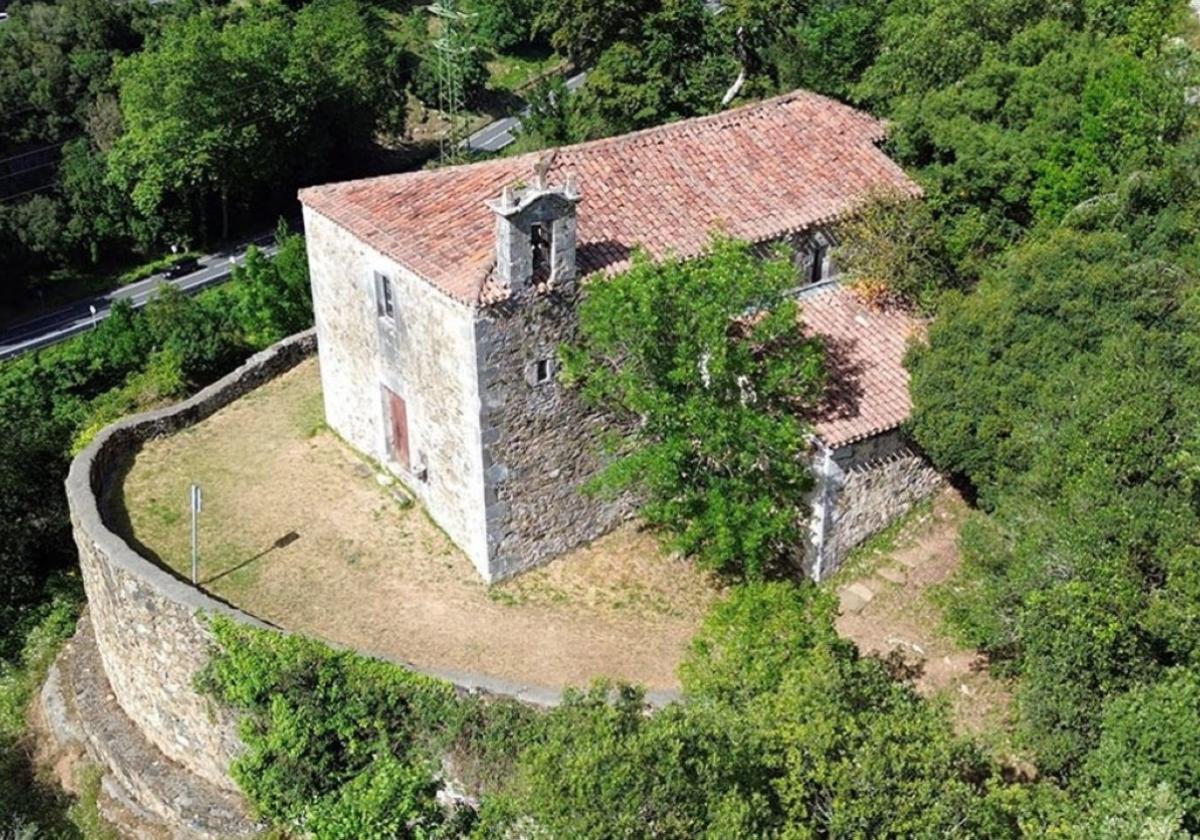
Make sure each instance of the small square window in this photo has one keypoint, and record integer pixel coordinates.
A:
(384, 300)
(542, 371)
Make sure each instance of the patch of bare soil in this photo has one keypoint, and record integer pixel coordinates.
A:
(886, 607)
(297, 529)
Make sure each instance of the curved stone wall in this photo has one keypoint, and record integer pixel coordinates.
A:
(148, 623)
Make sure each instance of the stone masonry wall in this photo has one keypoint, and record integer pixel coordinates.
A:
(425, 354)
(147, 624)
(540, 442)
(880, 479)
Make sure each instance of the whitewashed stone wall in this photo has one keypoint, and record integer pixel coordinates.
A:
(425, 354)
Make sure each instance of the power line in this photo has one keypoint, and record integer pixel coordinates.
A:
(25, 172)
(35, 151)
(8, 198)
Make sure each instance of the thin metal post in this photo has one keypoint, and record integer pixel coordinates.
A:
(195, 505)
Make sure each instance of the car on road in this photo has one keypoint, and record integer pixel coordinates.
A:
(3, 16)
(183, 267)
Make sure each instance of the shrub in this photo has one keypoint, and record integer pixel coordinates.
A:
(331, 737)
(1150, 739)
(891, 248)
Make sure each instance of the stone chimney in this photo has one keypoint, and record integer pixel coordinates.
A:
(535, 234)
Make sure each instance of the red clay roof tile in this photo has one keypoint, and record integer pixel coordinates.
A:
(865, 347)
(756, 172)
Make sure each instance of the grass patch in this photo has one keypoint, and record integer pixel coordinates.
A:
(515, 72)
(153, 267)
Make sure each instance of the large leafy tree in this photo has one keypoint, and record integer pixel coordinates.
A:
(1066, 389)
(673, 66)
(708, 361)
(226, 105)
(582, 29)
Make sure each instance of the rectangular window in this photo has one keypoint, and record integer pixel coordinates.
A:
(542, 371)
(540, 239)
(384, 303)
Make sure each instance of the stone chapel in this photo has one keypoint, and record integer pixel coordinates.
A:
(441, 298)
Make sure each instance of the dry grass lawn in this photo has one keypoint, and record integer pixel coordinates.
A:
(296, 529)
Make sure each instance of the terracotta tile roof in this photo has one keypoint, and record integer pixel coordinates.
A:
(757, 172)
(868, 384)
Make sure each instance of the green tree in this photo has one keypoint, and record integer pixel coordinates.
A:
(1151, 737)
(549, 121)
(504, 25)
(671, 67)
(206, 112)
(582, 30)
(225, 104)
(273, 298)
(827, 49)
(708, 361)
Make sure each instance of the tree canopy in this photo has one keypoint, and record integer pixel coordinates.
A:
(708, 361)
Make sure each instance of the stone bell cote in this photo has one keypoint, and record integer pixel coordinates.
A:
(535, 234)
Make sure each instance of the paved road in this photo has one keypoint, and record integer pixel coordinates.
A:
(61, 324)
(494, 137)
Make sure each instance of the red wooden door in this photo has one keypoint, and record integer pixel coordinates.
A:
(398, 413)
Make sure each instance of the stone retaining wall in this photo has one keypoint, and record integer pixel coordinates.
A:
(148, 624)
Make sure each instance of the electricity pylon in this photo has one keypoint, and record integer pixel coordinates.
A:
(453, 46)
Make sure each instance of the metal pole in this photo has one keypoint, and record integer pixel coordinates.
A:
(195, 505)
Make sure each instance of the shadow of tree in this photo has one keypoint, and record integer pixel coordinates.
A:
(844, 391)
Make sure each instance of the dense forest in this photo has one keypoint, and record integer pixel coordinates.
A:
(1057, 252)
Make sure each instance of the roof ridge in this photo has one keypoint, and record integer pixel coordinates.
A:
(764, 170)
(729, 115)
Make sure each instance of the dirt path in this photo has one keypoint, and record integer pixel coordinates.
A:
(885, 606)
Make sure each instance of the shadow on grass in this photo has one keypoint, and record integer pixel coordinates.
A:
(114, 512)
(283, 542)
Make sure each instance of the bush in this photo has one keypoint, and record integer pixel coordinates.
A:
(1150, 739)
(891, 249)
(750, 641)
(812, 742)
(333, 739)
